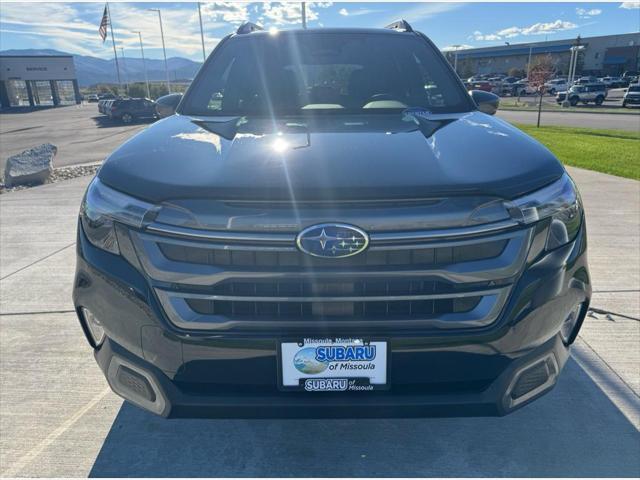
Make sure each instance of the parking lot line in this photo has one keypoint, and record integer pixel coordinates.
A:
(23, 461)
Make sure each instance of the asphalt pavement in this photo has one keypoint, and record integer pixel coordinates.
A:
(81, 134)
(58, 417)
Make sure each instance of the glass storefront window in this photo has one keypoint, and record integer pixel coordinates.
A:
(42, 94)
(17, 93)
(66, 94)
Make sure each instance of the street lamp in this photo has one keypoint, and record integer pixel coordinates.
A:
(204, 55)
(164, 50)
(124, 72)
(455, 56)
(144, 65)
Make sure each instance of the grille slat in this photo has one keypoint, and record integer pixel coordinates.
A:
(395, 258)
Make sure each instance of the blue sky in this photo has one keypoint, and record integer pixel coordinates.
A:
(73, 27)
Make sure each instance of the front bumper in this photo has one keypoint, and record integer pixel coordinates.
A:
(174, 373)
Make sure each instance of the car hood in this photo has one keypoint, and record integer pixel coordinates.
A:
(338, 158)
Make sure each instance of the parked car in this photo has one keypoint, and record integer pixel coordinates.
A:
(522, 88)
(586, 80)
(102, 105)
(631, 96)
(507, 85)
(556, 85)
(166, 106)
(480, 85)
(131, 109)
(585, 93)
(92, 98)
(613, 82)
(276, 252)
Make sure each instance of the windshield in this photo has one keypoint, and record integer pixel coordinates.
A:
(634, 89)
(345, 73)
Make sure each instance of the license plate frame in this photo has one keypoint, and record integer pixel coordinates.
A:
(357, 383)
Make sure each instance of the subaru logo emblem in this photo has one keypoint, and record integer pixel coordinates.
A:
(332, 240)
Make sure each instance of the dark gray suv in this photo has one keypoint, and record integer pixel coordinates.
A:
(330, 227)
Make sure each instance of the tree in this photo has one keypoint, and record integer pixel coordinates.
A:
(542, 70)
(516, 72)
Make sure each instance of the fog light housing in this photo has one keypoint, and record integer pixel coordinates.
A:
(569, 324)
(94, 327)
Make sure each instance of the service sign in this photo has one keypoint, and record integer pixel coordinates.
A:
(340, 364)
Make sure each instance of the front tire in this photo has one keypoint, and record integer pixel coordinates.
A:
(599, 100)
(127, 118)
(573, 101)
(552, 91)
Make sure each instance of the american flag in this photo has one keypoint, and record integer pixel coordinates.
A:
(103, 24)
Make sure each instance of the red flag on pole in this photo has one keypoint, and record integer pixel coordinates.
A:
(103, 25)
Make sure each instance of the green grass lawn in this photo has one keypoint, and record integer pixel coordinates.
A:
(609, 151)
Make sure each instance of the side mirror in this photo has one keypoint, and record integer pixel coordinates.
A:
(487, 102)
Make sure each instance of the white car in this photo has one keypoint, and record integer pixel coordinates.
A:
(556, 85)
(522, 88)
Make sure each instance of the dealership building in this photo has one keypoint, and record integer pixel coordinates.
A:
(38, 81)
(600, 56)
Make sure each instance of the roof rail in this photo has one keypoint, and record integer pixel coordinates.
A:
(247, 27)
(400, 25)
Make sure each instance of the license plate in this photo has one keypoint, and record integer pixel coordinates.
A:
(333, 365)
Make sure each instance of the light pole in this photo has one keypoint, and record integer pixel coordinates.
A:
(144, 65)
(529, 62)
(164, 50)
(304, 14)
(204, 55)
(455, 57)
(124, 72)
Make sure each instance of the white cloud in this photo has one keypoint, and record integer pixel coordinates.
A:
(630, 5)
(424, 11)
(279, 13)
(535, 29)
(344, 12)
(231, 12)
(60, 26)
(489, 37)
(584, 13)
(453, 48)
(362, 11)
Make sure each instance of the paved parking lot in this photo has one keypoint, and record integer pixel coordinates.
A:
(58, 418)
(81, 134)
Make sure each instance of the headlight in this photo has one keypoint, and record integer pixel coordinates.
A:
(560, 202)
(101, 207)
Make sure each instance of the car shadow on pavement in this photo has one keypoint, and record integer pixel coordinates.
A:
(575, 431)
(102, 121)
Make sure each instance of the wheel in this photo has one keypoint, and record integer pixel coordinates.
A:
(624, 104)
(523, 93)
(573, 101)
(127, 117)
(552, 91)
(599, 100)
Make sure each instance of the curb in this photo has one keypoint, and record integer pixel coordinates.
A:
(632, 114)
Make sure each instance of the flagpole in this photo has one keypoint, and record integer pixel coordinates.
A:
(113, 40)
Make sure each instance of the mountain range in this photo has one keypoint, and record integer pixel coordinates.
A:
(93, 70)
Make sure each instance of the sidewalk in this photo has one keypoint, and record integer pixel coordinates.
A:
(57, 418)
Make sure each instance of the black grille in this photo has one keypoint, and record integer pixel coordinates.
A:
(336, 287)
(317, 310)
(400, 257)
